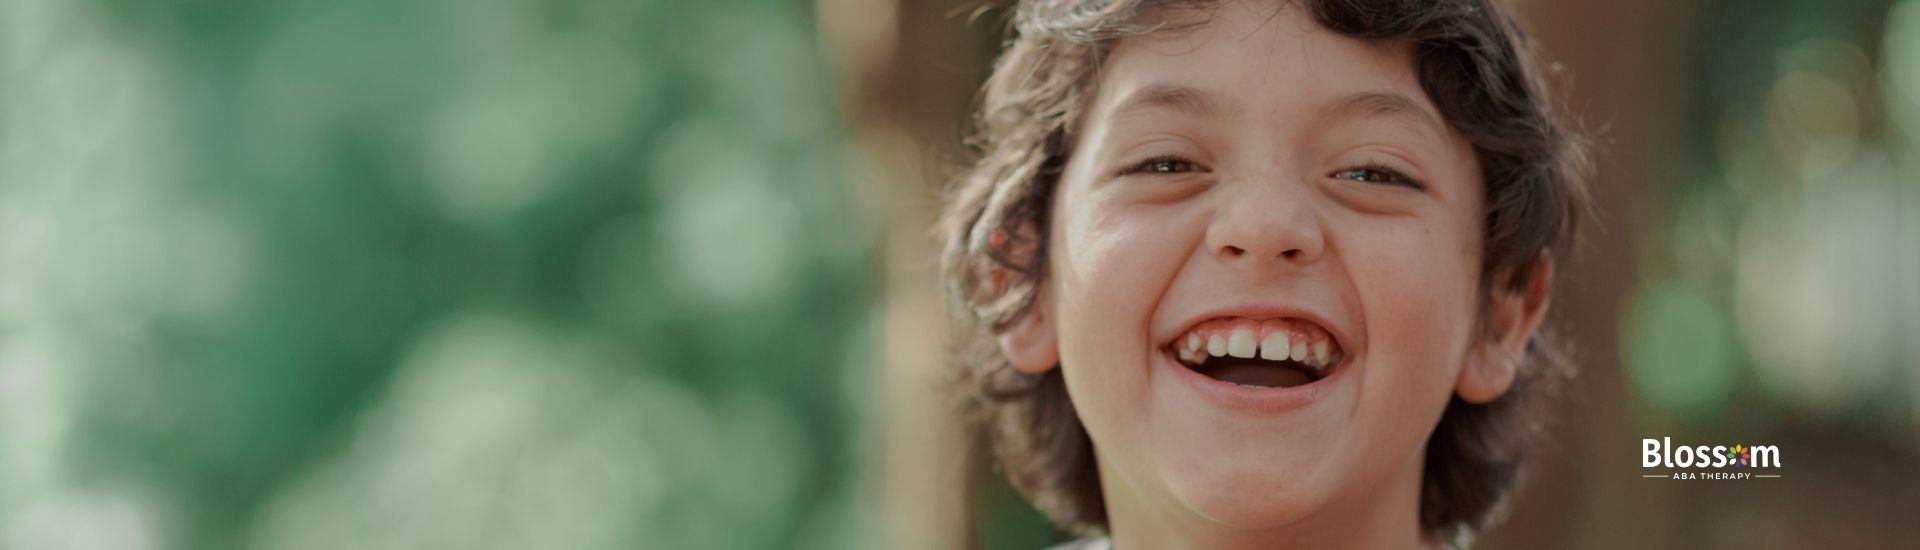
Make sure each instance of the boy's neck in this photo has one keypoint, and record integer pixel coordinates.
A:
(1386, 519)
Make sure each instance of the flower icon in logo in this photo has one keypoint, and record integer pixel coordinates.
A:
(1737, 456)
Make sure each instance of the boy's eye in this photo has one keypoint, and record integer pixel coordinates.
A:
(1161, 165)
(1376, 174)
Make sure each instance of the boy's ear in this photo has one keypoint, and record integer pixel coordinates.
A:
(1030, 344)
(1512, 318)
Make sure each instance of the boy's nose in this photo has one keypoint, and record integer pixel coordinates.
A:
(1265, 226)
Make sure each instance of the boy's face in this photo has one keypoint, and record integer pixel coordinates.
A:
(1260, 186)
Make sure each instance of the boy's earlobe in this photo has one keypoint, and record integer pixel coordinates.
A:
(1512, 318)
(1030, 344)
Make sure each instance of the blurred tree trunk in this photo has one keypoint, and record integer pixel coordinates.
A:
(1619, 76)
(910, 70)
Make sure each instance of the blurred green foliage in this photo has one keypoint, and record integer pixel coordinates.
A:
(1781, 272)
(427, 274)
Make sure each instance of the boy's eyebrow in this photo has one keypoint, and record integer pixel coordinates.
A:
(1180, 99)
(1386, 104)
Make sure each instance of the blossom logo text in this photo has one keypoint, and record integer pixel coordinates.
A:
(1733, 462)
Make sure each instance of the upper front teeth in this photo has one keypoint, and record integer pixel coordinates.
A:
(1240, 343)
(1274, 347)
(1273, 340)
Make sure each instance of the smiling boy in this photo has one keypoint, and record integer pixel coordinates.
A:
(1262, 274)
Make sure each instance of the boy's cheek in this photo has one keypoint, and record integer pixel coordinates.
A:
(1418, 303)
(1117, 259)
(1110, 272)
(1418, 321)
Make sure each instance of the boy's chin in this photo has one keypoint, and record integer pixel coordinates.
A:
(1252, 496)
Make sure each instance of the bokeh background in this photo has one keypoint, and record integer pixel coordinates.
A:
(599, 274)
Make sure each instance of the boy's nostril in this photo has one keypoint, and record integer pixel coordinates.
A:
(1290, 253)
(1235, 251)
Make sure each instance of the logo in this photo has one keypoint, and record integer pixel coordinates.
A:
(1702, 462)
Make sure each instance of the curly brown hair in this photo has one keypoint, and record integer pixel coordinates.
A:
(1470, 57)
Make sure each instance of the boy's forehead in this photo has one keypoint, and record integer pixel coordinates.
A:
(1238, 55)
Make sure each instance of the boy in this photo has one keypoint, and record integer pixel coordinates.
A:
(1262, 274)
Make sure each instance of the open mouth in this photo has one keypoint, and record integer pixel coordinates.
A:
(1273, 353)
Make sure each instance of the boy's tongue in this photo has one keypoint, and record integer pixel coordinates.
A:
(1257, 372)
